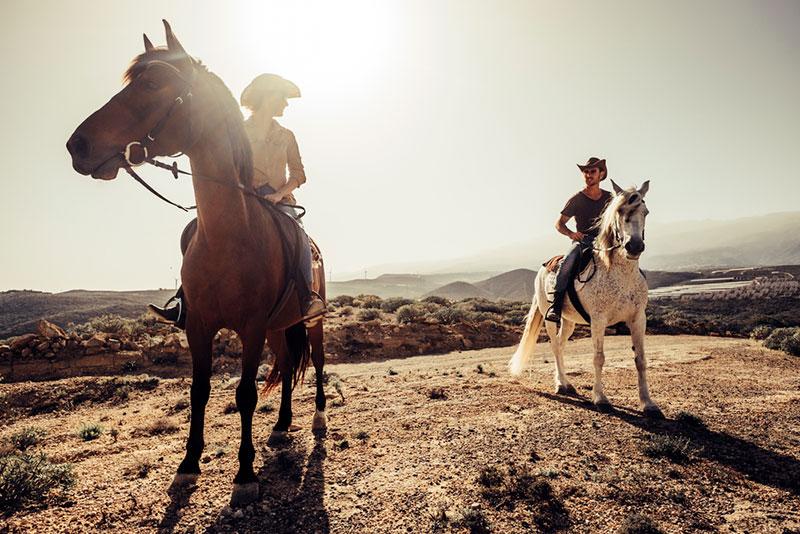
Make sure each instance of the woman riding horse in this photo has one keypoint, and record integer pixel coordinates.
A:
(274, 150)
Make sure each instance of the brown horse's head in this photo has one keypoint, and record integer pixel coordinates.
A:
(149, 117)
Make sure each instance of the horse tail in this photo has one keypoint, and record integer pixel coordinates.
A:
(527, 344)
(299, 350)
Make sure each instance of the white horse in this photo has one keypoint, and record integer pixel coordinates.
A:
(617, 292)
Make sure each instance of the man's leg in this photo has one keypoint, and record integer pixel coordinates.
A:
(563, 278)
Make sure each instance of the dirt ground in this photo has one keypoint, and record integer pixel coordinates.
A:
(414, 446)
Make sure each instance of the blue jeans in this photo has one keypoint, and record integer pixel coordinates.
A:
(570, 263)
(305, 246)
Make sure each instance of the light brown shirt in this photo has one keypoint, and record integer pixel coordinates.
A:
(273, 153)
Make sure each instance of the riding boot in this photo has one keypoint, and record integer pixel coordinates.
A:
(171, 314)
(554, 311)
(315, 308)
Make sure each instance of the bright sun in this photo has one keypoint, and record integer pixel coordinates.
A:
(330, 52)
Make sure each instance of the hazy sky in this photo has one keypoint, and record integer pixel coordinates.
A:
(429, 129)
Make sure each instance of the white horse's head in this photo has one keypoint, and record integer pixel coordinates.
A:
(622, 222)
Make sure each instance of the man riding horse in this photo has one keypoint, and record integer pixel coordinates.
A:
(274, 150)
(585, 206)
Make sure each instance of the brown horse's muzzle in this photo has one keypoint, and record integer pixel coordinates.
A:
(85, 159)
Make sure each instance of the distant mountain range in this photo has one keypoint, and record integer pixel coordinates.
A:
(772, 239)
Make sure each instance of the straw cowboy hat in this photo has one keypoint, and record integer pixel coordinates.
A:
(592, 163)
(264, 83)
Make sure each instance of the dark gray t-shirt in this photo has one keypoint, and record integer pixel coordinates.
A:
(586, 211)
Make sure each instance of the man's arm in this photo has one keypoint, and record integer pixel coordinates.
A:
(561, 226)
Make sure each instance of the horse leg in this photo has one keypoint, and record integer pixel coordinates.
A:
(277, 342)
(200, 344)
(637, 327)
(598, 396)
(563, 387)
(567, 327)
(245, 485)
(320, 422)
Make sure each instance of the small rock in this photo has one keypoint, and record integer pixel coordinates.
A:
(19, 342)
(49, 330)
(227, 510)
(238, 514)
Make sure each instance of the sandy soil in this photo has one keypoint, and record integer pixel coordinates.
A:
(397, 460)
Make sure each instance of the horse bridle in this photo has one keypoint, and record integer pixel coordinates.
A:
(150, 137)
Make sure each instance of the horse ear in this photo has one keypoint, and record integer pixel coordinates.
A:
(148, 46)
(617, 189)
(644, 188)
(173, 45)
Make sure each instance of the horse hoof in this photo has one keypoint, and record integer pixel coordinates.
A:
(244, 494)
(604, 407)
(320, 421)
(278, 438)
(566, 389)
(185, 479)
(653, 412)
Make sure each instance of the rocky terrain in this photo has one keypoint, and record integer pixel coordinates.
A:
(443, 443)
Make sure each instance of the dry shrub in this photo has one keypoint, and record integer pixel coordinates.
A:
(30, 479)
(162, 426)
(369, 314)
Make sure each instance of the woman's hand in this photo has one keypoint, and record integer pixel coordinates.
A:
(274, 197)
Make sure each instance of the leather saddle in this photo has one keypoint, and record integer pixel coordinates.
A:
(553, 265)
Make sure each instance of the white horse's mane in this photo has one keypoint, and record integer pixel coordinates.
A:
(625, 202)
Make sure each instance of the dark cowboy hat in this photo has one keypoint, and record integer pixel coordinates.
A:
(264, 83)
(595, 163)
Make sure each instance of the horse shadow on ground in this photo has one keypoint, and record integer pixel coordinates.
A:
(179, 495)
(291, 496)
(753, 461)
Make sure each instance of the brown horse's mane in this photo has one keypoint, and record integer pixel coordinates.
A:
(233, 121)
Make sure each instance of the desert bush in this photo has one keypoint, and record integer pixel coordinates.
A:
(367, 301)
(341, 300)
(410, 313)
(230, 408)
(162, 426)
(27, 438)
(515, 317)
(369, 314)
(449, 315)
(391, 305)
(639, 524)
(490, 476)
(674, 448)
(761, 332)
(473, 519)
(114, 324)
(267, 407)
(433, 299)
(90, 432)
(785, 339)
(437, 393)
(27, 479)
(346, 311)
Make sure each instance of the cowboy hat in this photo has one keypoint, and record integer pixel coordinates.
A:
(264, 83)
(592, 163)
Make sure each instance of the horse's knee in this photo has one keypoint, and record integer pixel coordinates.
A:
(246, 396)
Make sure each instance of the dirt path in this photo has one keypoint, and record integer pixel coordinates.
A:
(397, 460)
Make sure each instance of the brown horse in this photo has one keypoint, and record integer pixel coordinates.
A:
(238, 264)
